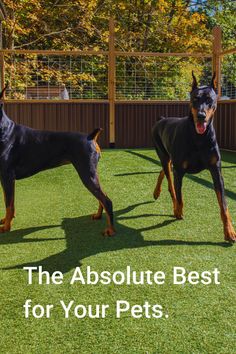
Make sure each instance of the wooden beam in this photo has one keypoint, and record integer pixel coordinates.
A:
(2, 72)
(54, 52)
(216, 59)
(112, 81)
(158, 54)
(52, 101)
(228, 52)
(102, 52)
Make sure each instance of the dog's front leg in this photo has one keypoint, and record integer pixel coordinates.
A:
(8, 184)
(178, 209)
(229, 232)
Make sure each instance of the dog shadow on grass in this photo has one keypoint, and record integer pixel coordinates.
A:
(83, 239)
(230, 159)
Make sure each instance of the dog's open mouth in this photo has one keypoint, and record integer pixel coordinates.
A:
(201, 127)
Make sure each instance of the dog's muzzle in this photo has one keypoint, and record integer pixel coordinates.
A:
(201, 124)
(201, 116)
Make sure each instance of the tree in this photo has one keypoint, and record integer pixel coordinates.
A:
(141, 25)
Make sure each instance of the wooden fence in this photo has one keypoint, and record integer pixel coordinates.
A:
(125, 123)
(133, 120)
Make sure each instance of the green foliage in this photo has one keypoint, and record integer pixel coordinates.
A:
(83, 76)
(140, 25)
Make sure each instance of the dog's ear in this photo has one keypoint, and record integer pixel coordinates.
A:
(2, 92)
(194, 83)
(213, 82)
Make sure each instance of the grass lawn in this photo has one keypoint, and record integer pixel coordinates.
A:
(53, 229)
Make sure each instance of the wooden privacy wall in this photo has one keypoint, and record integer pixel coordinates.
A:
(225, 124)
(133, 120)
(62, 116)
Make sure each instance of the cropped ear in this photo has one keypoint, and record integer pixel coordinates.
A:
(194, 83)
(2, 92)
(213, 82)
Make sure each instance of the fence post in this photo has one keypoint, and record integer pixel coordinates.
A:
(112, 82)
(216, 59)
(2, 72)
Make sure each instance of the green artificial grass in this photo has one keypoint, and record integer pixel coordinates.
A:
(53, 229)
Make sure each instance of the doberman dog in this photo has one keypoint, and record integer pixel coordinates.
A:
(25, 152)
(189, 145)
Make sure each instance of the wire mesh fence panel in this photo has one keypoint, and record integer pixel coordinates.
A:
(62, 76)
(228, 77)
(159, 78)
(37, 76)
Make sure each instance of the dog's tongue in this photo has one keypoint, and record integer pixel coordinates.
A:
(201, 127)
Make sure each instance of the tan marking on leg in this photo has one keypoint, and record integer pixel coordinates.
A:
(2, 221)
(178, 210)
(229, 232)
(171, 187)
(157, 190)
(98, 215)
(8, 219)
(10, 213)
(109, 231)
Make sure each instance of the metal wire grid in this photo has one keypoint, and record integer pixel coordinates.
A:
(228, 77)
(46, 76)
(159, 78)
(86, 77)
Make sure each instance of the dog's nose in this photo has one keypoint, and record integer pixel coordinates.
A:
(201, 116)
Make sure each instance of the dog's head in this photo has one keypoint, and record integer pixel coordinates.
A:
(203, 102)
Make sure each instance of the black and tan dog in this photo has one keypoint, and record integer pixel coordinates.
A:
(189, 144)
(25, 151)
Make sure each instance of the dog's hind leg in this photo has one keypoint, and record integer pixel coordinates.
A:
(157, 190)
(98, 214)
(178, 209)
(229, 232)
(163, 158)
(91, 182)
(8, 184)
(166, 171)
(171, 188)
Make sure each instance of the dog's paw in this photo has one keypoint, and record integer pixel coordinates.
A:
(179, 217)
(156, 194)
(109, 231)
(178, 214)
(230, 234)
(4, 229)
(178, 210)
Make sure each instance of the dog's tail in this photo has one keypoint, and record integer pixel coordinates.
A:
(95, 134)
(2, 92)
